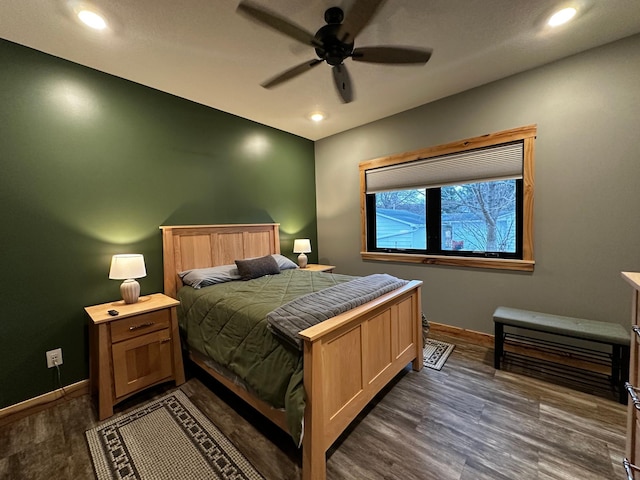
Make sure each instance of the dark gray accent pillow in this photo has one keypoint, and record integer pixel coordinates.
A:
(257, 267)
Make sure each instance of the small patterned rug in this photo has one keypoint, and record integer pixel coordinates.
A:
(436, 353)
(168, 438)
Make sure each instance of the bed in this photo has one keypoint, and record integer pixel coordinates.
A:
(346, 359)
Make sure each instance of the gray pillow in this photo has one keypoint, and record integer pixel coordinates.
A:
(203, 277)
(257, 267)
(283, 262)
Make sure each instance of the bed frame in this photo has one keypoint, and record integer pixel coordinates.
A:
(348, 359)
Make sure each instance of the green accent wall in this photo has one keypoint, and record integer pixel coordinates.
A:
(92, 165)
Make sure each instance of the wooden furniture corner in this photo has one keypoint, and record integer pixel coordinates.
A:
(632, 451)
(316, 267)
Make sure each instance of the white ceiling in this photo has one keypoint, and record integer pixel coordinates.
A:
(204, 51)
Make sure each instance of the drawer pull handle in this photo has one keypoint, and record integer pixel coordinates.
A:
(165, 340)
(631, 390)
(636, 328)
(629, 468)
(141, 325)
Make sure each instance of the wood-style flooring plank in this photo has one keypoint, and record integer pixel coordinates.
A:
(465, 422)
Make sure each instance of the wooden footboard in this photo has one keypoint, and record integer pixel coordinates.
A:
(348, 359)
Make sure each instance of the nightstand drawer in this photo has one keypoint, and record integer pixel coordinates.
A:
(144, 323)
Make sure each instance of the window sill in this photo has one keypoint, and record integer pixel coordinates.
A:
(471, 262)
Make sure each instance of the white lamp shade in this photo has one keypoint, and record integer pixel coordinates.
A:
(124, 267)
(301, 245)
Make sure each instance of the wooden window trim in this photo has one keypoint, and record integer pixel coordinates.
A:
(527, 134)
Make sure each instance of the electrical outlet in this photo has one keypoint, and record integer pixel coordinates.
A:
(54, 357)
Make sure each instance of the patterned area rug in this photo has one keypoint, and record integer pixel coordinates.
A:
(436, 353)
(168, 438)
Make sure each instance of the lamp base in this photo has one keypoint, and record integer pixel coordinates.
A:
(302, 260)
(130, 291)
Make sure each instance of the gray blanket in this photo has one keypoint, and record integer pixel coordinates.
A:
(304, 312)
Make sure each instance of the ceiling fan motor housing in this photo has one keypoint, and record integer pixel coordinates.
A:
(333, 51)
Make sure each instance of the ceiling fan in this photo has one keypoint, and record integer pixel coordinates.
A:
(334, 43)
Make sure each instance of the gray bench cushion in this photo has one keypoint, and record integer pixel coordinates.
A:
(604, 332)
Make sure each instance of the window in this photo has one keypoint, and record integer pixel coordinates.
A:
(466, 203)
(471, 219)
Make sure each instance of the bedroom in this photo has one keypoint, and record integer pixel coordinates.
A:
(125, 159)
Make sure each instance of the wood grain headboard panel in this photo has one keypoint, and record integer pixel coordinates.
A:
(200, 246)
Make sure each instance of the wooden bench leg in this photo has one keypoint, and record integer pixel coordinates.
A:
(498, 345)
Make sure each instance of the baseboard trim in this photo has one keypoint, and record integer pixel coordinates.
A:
(477, 338)
(32, 405)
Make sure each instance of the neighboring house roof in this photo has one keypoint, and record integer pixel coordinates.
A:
(402, 216)
(415, 221)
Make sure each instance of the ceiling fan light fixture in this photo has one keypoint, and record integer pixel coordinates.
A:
(562, 16)
(317, 116)
(92, 19)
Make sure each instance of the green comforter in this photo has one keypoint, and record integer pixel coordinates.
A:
(227, 323)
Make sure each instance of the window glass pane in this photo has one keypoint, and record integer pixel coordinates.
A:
(479, 217)
(401, 219)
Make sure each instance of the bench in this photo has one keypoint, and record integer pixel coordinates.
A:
(607, 333)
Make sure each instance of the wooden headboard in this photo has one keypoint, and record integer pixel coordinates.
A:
(200, 246)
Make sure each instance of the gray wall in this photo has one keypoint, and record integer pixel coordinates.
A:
(587, 188)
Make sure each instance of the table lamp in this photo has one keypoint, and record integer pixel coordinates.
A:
(302, 246)
(128, 267)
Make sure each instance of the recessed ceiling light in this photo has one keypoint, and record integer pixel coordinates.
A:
(317, 116)
(562, 16)
(92, 19)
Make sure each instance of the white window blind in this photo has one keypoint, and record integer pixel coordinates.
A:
(503, 162)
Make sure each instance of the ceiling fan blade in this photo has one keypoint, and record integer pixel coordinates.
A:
(397, 55)
(278, 23)
(291, 73)
(342, 82)
(357, 18)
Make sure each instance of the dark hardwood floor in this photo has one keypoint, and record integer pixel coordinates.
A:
(467, 421)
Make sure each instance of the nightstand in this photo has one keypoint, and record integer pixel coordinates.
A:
(314, 267)
(136, 349)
